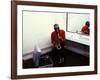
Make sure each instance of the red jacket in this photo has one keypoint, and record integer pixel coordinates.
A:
(54, 37)
(85, 29)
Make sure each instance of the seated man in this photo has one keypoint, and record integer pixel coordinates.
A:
(58, 42)
(85, 28)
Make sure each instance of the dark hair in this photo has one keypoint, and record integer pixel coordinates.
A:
(56, 26)
(87, 23)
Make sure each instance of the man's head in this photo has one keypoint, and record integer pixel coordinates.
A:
(56, 27)
(87, 23)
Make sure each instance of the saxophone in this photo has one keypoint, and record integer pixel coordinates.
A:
(58, 42)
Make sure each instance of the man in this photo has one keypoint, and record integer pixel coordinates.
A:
(58, 42)
(85, 28)
(58, 37)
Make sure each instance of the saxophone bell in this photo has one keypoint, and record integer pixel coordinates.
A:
(58, 46)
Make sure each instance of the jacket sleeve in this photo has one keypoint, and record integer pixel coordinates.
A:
(63, 35)
(52, 39)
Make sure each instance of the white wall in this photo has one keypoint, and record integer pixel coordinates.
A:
(37, 28)
(5, 43)
(77, 21)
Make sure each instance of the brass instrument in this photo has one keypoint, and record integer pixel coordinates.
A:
(58, 42)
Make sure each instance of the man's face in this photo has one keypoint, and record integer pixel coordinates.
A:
(57, 29)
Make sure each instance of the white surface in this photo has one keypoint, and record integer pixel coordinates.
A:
(5, 43)
(77, 20)
(83, 39)
(37, 28)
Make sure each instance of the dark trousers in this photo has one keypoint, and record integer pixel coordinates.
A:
(57, 55)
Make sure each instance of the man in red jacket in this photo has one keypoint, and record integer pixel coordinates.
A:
(85, 28)
(58, 42)
(58, 37)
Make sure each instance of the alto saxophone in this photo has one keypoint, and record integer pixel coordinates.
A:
(58, 42)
